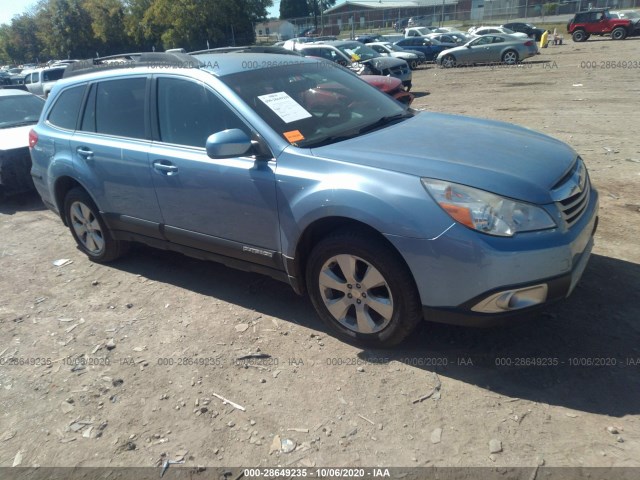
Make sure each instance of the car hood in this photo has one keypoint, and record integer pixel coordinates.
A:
(17, 137)
(404, 55)
(380, 63)
(494, 156)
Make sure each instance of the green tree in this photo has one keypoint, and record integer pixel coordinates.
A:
(18, 40)
(190, 24)
(294, 9)
(107, 24)
(318, 6)
(65, 27)
(141, 36)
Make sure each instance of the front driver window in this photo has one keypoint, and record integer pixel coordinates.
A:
(188, 113)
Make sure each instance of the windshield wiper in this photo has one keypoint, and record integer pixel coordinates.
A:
(333, 139)
(381, 122)
(384, 121)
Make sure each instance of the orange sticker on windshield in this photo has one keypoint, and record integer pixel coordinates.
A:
(293, 136)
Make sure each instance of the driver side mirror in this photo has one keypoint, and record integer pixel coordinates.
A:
(228, 143)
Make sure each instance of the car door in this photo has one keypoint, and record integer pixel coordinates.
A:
(481, 50)
(226, 206)
(596, 22)
(111, 148)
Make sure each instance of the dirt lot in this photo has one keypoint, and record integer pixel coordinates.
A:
(118, 365)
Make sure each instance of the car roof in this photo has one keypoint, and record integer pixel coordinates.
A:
(506, 36)
(340, 43)
(218, 64)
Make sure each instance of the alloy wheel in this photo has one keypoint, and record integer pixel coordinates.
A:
(356, 294)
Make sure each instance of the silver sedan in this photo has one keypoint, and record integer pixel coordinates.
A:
(496, 48)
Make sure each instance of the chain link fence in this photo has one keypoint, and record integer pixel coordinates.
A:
(348, 20)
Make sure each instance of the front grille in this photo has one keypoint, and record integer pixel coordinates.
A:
(572, 193)
(399, 70)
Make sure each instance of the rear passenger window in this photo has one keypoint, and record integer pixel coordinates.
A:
(119, 107)
(188, 113)
(64, 113)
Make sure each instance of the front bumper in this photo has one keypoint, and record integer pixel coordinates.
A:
(464, 277)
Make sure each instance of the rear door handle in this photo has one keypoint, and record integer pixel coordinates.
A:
(85, 153)
(165, 167)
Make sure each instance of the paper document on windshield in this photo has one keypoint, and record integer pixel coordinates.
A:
(284, 106)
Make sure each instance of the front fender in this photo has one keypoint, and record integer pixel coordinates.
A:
(311, 188)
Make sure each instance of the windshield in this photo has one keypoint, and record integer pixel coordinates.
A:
(17, 110)
(52, 75)
(314, 104)
(358, 52)
(507, 31)
(394, 48)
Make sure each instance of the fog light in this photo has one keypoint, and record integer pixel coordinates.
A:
(510, 300)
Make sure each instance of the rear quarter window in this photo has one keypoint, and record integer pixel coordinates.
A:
(65, 110)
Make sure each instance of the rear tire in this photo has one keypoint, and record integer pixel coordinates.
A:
(362, 289)
(413, 64)
(510, 57)
(579, 36)
(618, 34)
(89, 230)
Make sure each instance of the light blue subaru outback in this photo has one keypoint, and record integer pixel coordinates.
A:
(296, 169)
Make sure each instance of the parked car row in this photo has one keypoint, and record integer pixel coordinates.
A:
(358, 57)
(449, 47)
(36, 80)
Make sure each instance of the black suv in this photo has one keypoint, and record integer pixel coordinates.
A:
(526, 28)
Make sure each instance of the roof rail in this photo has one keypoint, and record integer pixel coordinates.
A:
(132, 60)
(247, 49)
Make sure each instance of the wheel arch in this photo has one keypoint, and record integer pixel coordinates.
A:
(61, 187)
(321, 228)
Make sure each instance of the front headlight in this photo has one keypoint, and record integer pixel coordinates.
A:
(487, 212)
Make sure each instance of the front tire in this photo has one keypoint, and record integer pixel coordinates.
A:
(362, 290)
(448, 61)
(413, 64)
(88, 228)
(618, 34)
(579, 36)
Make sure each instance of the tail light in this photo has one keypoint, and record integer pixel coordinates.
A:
(33, 138)
(528, 43)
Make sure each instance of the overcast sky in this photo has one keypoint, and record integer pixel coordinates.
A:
(9, 8)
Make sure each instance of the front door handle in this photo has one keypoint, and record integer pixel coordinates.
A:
(165, 167)
(85, 153)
